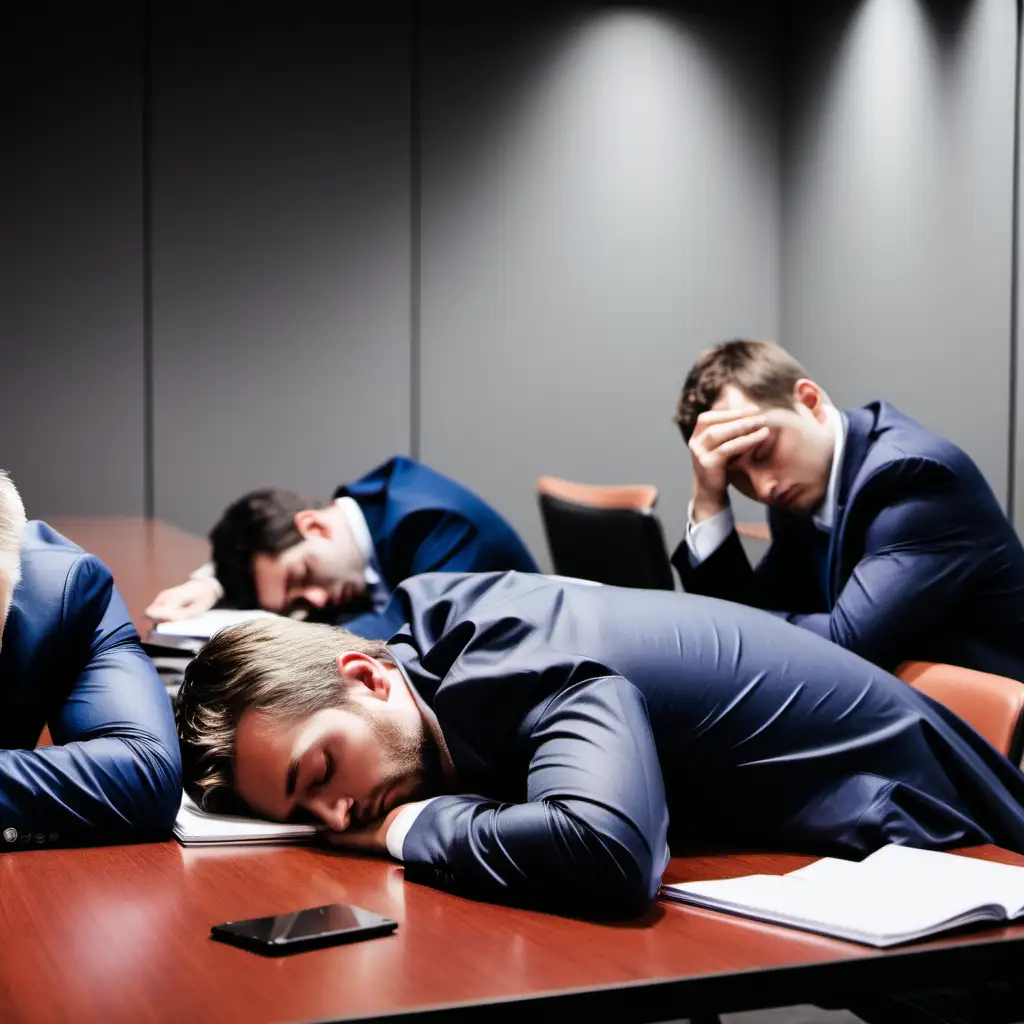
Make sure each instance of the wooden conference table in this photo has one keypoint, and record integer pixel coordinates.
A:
(121, 933)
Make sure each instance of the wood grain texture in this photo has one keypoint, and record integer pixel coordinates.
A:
(122, 933)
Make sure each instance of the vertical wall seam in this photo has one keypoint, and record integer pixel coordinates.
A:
(1011, 468)
(148, 455)
(415, 249)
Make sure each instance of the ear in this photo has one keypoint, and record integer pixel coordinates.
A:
(311, 522)
(809, 395)
(358, 669)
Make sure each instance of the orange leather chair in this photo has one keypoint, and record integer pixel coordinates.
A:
(993, 705)
(608, 534)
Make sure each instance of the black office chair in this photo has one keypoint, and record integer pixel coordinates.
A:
(607, 534)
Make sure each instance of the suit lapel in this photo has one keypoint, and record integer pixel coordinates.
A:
(860, 425)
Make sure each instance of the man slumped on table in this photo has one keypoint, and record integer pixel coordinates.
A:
(341, 563)
(71, 659)
(567, 734)
(886, 539)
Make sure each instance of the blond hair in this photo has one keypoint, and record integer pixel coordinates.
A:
(762, 370)
(281, 666)
(12, 524)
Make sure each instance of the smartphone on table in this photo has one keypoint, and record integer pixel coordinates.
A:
(301, 930)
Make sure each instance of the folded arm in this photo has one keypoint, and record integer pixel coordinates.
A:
(590, 838)
(116, 772)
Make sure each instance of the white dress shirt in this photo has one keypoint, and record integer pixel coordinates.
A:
(705, 538)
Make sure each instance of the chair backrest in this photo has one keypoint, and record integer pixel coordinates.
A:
(993, 705)
(607, 534)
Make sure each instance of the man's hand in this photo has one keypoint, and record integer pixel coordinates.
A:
(718, 437)
(183, 601)
(370, 838)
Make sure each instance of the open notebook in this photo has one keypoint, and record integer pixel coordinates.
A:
(194, 827)
(895, 895)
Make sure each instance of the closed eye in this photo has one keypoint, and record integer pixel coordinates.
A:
(328, 772)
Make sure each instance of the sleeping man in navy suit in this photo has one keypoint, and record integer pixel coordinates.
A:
(340, 563)
(564, 734)
(886, 539)
(540, 741)
(71, 659)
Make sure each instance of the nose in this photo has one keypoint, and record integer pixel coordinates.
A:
(317, 596)
(765, 486)
(335, 813)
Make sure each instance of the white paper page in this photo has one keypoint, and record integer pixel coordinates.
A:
(205, 625)
(195, 825)
(900, 870)
(861, 909)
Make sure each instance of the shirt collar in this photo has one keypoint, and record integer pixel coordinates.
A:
(825, 517)
(361, 532)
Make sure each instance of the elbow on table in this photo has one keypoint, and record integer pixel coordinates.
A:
(616, 876)
(158, 797)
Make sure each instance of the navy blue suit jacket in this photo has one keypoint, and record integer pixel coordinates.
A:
(422, 521)
(71, 659)
(921, 562)
(589, 726)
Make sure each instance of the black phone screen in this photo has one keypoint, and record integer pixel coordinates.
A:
(316, 926)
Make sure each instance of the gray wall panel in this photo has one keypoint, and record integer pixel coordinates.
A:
(1018, 384)
(897, 214)
(71, 409)
(599, 203)
(280, 250)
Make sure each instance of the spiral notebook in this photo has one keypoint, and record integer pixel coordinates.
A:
(895, 895)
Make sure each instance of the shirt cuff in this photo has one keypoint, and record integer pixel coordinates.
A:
(205, 572)
(705, 538)
(399, 828)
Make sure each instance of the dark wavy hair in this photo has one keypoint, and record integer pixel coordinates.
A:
(263, 521)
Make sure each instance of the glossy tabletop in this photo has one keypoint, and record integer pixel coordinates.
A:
(122, 933)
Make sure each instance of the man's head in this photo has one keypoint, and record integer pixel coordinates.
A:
(790, 467)
(272, 549)
(298, 718)
(12, 523)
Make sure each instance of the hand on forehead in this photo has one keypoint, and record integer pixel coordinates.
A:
(732, 403)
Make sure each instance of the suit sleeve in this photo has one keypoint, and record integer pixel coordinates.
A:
(590, 837)
(918, 562)
(116, 773)
(782, 581)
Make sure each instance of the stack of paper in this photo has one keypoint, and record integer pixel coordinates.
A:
(896, 895)
(205, 625)
(195, 827)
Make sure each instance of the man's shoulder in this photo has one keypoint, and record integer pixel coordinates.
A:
(893, 442)
(408, 486)
(41, 538)
(57, 576)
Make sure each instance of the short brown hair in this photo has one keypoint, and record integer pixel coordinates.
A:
(260, 522)
(275, 664)
(762, 370)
